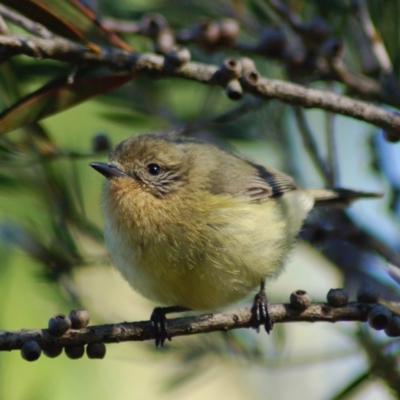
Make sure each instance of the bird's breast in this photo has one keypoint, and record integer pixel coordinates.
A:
(200, 253)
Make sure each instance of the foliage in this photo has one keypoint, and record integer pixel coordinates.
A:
(50, 223)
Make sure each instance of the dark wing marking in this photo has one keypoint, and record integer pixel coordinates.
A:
(257, 188)
(279, 182)
(239, 177)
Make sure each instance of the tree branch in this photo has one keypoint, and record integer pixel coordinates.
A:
(377, 45)
(140, 331)
(25, 23)
(269, 46)
(311, 145)
(67, 51)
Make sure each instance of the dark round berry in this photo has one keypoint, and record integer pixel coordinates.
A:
(52, 351)
(317, 30)
(96, 350)
(272, 43)
(391, 135)
(75, 352)
(250, 77)
(59, 324)
(332, 48)
(337, 297)
(30, 350)
(393, 329)
(229, 69)
(300, 300)
(234, 90)
(165, 42)
(152, 24)
(247, 64)
(79, 319)
(101, 142)
(206, 33)
(229, 30)
(153, 169)
(367, 294)
(178, 55)
(379, 317)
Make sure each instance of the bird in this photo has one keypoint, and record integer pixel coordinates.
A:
(192, 226)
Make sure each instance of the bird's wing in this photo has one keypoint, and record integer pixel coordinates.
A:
(266, 182)
(239, 177)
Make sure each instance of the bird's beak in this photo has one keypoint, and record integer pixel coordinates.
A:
(109, 171)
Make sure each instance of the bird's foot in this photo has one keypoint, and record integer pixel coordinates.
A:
(160, 326)
(160, 323)
(259, 312)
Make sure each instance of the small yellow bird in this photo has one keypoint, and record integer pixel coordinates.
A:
(194, 227)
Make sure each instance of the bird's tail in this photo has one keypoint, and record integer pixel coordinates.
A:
(337, 197)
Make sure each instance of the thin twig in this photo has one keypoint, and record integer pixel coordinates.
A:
(311, 145)
(332, 148)
(121, 26)
(383, 364)
(140, 331)
(30, 26)
(363, 85)
(284, 12)
(377, 46)
(3, 27)
(390, 88)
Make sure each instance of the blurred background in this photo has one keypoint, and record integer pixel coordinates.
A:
(51, 243)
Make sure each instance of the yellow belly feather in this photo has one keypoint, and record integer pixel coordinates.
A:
(166, 260)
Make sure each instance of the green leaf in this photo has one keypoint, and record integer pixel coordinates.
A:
(353, 386)
(58, 95)
(70, 19)
(8, 182)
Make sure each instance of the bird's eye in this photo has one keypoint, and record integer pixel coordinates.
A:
(153, 169)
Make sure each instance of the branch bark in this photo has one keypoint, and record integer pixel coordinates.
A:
(140, 331)
(25, 23)
(67, 51)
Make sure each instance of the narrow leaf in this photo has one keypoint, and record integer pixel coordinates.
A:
(96, 25)
(353, 386)
(69, 19)
(56, 96)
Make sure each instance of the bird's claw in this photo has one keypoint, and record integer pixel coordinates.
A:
(160, 326)
(259, 312)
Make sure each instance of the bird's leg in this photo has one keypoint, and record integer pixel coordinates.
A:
(160, 322)
(259, 311)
